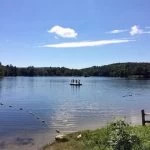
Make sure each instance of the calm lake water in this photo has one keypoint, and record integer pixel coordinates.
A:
(32, 108)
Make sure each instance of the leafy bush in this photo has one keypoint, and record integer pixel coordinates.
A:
(121, 138)
(116, 136)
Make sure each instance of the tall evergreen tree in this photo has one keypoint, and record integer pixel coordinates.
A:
(1, 70)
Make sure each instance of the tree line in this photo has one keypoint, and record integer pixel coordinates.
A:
(113, 70)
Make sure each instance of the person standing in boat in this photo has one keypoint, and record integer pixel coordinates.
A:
(78, 81)
(72, 80)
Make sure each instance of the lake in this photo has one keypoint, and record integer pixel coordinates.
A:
(32, 108)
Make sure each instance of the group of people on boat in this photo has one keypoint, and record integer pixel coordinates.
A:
(75, 81)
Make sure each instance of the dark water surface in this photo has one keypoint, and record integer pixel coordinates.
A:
(32, 108)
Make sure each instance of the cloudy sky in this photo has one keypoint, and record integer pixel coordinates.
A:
(74, 33)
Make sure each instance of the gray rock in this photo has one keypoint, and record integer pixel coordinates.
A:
(61, 138)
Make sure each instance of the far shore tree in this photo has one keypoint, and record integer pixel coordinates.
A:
(113, 70)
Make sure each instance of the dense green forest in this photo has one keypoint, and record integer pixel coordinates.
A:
(112, 70)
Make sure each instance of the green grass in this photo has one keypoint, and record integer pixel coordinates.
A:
(100, 139)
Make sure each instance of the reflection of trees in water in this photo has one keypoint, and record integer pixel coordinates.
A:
(1, 78)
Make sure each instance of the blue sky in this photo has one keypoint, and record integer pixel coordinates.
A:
(74, 33)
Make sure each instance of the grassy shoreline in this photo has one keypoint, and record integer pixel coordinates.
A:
(135, 137)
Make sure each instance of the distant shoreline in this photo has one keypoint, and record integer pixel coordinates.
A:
(131, 70)
(128, 78)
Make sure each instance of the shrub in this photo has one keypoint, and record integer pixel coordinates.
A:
(121, 138)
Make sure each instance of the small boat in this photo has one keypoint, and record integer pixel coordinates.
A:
(76, 84)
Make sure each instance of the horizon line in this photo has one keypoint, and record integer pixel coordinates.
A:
(70, 67)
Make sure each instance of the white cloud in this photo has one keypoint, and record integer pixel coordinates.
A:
(117, 31)
(87, 43)
(136, 30)
(63, 32)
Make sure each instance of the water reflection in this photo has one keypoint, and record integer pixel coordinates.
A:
(75, 89)
(40, 105)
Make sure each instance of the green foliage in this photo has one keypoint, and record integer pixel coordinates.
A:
(114, 70)
(116, 136)
(144, 134)
(1, 70)
(121, 138)
(96, 140)
(120, 70)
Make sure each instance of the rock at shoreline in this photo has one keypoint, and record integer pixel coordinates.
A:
(61, 138)
(79, 136)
